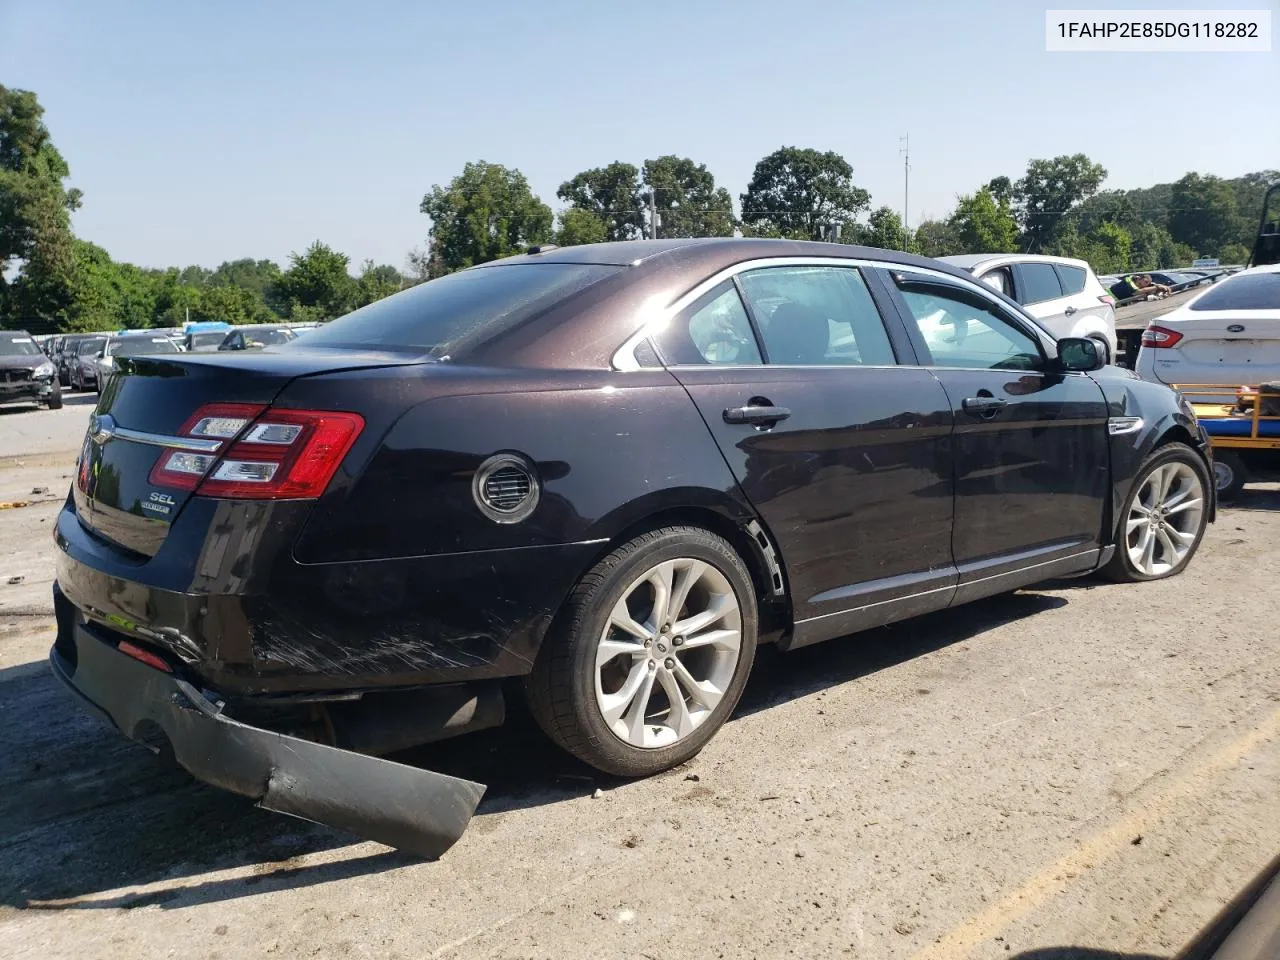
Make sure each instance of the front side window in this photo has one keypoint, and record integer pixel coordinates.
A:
(714, 329)
(817, 316)
(961, 330)
(1039, 283)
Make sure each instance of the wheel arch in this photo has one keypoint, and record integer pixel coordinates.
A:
(724, 516)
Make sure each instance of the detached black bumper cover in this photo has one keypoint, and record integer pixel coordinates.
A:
(414, 810)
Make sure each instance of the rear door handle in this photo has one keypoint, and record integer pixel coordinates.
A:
(1070, 310)
(756, 414)
(982, 406)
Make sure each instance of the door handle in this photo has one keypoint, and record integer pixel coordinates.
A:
(1070, 310)
(756, 414)
(983, 406)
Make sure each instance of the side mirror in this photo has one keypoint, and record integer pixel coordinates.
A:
(1079, 354)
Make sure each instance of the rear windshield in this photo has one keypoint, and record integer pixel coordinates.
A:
(1256, 291)
(471, 305)
(17, 345)
(141, 346)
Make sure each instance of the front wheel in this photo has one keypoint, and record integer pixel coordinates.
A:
(1164, 517)
(650, 655)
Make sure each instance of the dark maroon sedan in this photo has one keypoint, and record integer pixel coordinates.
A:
(612, 470)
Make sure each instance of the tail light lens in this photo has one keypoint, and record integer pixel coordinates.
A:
(264, 454)
(1158, 337)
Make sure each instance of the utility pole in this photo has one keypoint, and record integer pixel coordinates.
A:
(653, 214)
(905, 152)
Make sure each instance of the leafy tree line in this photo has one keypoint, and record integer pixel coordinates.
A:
(50, 279)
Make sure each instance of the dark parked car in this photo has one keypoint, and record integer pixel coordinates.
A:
(611, 470)
(26, 374)
(257, 336)
(82, 360)
(64, 353)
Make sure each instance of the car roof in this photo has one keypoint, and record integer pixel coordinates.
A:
(709, 252)
(968, 261)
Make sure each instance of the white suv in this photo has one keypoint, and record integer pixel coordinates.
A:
(1064, 295)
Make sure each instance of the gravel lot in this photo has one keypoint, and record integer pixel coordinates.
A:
(1080, 766)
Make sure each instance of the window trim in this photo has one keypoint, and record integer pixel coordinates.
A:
(656, 316)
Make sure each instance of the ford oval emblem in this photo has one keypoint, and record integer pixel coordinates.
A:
(102, 428)
(1236, 328)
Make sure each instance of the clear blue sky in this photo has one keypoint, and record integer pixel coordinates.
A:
(208, 131)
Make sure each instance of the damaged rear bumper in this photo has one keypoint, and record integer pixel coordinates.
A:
(414, 810)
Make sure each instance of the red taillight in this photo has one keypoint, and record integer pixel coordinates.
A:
(1159, 338)
(142, 656)
(272, 454)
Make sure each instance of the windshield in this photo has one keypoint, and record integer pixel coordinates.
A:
(211, 339)
(18, 345)
(270, 336)
(91, 346)
(1244, 291)
(140, 346)
(472, 305)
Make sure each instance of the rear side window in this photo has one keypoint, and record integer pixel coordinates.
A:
(714, 329)
(1039, 283)
(471, 305)
(817, 316)
(1072, 278)
(1257, 291)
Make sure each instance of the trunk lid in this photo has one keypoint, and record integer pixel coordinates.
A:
(1228, 347)
(141, 415)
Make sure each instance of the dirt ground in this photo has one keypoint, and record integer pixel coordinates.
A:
(1083, 766)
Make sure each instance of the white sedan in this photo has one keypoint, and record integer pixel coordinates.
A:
(1229, 335)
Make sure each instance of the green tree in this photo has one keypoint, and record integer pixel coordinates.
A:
(982, 224)
(1002, 189)
(318, 278)
(800, 193)
(687, 200)
(1109, 248)
(35, 207)
(1203, 214)
(486, 212)
(1048, 192)
(612, 195)
(578, 226)
(936, 238)
(377, 281)
(884, 230)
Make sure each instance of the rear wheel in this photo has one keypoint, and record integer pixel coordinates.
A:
(1229, 474)
(650, 655)
(1164, 517)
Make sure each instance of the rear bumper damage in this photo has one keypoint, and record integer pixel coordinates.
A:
(415, 810)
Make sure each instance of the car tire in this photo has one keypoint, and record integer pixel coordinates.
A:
(1104, 350)
(55, 400)
(1164, 517)
(1229, 474)
(590, 703)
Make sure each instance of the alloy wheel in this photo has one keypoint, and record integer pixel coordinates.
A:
(668, 653)
(1165, 519)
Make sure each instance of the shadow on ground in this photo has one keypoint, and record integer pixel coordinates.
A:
(84, 811)
(1081, 953)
